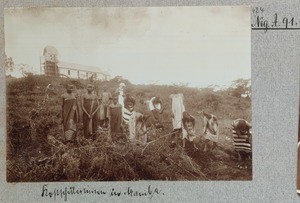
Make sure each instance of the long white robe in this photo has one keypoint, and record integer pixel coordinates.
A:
(177, 109)
(121, 97)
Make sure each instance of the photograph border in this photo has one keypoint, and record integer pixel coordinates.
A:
(275, 96)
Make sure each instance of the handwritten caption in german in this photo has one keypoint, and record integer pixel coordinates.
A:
(65, 193)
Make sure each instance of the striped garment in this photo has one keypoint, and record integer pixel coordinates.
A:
(241, 143)
(126, 115)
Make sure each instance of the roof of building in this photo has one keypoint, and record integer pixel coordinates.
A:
(90, 69)
(50, 50)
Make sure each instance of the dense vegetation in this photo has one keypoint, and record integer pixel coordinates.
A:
(36, 152)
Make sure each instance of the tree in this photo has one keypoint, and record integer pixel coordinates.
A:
(119, 79)
(16, 70)
(241, 88)
(8, 64)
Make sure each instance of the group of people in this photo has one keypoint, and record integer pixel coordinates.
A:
(118, 112)
(112, 112)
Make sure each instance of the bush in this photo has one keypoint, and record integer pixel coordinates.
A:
(49, 159)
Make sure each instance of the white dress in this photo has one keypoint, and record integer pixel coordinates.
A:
(177, 110)
(121, 97)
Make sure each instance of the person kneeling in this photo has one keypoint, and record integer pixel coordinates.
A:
(211, 131)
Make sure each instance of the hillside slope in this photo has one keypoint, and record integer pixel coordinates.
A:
(36, 152)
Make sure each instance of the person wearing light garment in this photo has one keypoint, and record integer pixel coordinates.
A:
(135, 122)
(128, 109)
(90, 106)
(211, 131)
(178, 108)
(128, 114)
(121, 93)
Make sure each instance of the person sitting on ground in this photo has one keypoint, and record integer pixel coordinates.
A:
(90, 106)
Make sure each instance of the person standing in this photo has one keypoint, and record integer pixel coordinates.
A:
(69, 114)
(128, 108)
(178, 108)
(104, 100)
(90, 106)
(115, 120)
(121, 93)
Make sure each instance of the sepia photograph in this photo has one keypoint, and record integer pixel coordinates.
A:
(128, 93)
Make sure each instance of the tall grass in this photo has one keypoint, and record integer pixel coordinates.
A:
(37, 152)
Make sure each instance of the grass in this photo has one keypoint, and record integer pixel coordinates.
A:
(36, 151)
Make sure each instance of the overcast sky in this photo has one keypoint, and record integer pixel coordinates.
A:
(196, 45)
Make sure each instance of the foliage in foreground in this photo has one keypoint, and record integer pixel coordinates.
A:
(36, 152)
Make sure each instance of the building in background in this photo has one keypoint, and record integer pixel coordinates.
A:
(51, 66)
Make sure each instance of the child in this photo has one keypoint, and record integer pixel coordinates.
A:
(188, 131)
(114, 114)
(105, 100)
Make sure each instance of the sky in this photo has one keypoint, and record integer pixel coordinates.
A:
(199, 46)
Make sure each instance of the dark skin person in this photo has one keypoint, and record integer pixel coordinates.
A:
(70, 90)
(89, 95)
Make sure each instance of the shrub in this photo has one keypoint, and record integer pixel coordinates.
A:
(49, 159)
